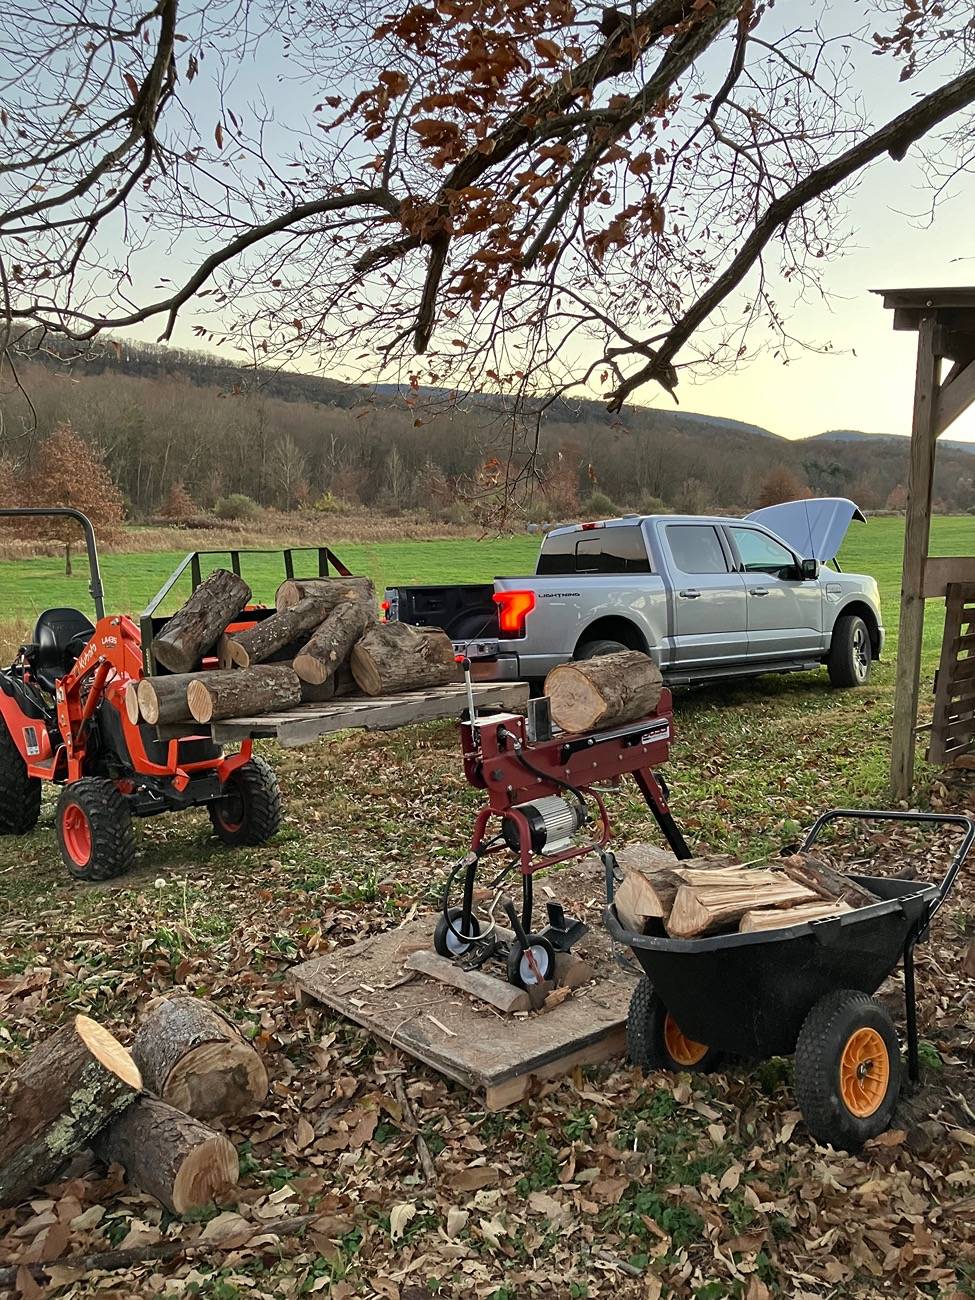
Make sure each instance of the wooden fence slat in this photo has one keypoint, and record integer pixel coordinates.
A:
(953, 725)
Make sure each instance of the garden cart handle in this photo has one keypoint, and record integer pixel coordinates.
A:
(872, 814)
(95, 584)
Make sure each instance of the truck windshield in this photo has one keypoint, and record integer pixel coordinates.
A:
(597, 550)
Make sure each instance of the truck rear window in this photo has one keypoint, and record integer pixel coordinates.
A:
(599, 550)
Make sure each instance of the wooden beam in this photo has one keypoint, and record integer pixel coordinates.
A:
(942, 569)
(916, 536)
(955, 396)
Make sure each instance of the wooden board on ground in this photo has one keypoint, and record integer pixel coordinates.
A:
(500, 1056)
(306, 722)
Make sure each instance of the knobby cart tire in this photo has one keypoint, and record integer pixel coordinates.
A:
(654, 1040)
(94, 829)
(848, 1069)
(249, 812)
(602, 646)
(20, 794)
(850, 652)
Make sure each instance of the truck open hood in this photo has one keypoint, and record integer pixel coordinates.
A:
(814, 528)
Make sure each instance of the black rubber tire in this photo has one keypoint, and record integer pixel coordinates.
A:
(442, 937)
(850, 652)
(109, 820)
(646, 1044)
(515, 954)
(20, 794)
(250, 810)
(602, 646)
(825, 1032)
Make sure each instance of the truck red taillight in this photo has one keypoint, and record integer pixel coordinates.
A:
(513, 609)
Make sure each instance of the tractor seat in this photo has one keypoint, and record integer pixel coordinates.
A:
(59, 637)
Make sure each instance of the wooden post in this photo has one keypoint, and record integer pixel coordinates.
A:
(924, 433)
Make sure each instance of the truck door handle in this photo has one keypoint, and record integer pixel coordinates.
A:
(759, 591)
(690, 593)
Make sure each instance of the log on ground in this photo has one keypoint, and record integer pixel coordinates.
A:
(774, 918)
(702, 907)
(393, 657)
(238, 692)
(607, 691)
(177, 1159)
(194, 630)
(328, 591)
(328, 649)
(256, 645)
(163, 699)
(824, 881)
(69, 1087)
(192, 1056)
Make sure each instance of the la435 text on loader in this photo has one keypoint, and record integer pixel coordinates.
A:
(63, 719)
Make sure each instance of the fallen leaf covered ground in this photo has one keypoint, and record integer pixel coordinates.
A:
(603, 1184)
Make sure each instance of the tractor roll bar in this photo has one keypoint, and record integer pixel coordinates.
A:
(95, 580)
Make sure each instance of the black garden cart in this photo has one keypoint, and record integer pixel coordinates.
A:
(804, 989)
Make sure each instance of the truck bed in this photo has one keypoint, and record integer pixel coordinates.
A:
(307, 722)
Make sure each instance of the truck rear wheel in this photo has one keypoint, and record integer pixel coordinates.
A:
(20, 794)
(94, 827)
(602, 646)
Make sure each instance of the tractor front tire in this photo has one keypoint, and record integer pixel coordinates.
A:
(20, 794)
(94, 827)
(249, 810)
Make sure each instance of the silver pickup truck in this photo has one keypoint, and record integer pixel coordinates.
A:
(706, 597)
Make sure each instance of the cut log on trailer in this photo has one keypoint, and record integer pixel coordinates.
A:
(393, 657)
(194, 630)
(69, 1087)
(646, 895)
(328, 649)
(163, 699)
(774, 918)
(177, 1159)
(824, 881)
(329, 591)
(193, 1056)
(702, 906)
(257, 644)
(607, 691)
(236, 691)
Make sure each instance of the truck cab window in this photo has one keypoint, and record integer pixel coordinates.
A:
(696, 548)
(600, 550)
(763, 554)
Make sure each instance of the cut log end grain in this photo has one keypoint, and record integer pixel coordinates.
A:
(108, 1051)
(329, 647)
(606, 691)
(163, 699)
(216, 695)
(132, 711)
(391, 657)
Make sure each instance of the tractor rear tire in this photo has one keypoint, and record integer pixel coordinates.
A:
(95, 833)
(20, 794)
(250, 810)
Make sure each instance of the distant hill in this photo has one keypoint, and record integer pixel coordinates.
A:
(859, 435)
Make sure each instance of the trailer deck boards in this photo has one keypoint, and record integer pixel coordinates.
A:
(306, 722)
(500, 1056)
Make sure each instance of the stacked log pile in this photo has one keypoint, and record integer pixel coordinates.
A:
(323, 639)
(150, 1110)
(704, 896)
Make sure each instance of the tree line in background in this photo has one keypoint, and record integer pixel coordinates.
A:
(187, 435)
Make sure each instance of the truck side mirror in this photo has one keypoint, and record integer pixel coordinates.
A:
(809, 569)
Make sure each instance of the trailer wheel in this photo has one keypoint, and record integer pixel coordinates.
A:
(848, 1069)
(20, 794)
(249, 810)
(525, 973)
(655, 1041)
(445, 942)
(94, 828)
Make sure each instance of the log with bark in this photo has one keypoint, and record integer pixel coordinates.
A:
(193, 1057)
(391, 657)
(194, 630)
(648, 894)
(824, 881)
(327, 591)
(162, 700)
(177, 1159)
(256, 645)
(606, 691)
(717, 900)
(323, 655)
(69, 1087)
(238, 692)
(774, 918)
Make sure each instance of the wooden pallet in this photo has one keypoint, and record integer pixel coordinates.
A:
(953, 724)
(498, 1055)
(307, 722)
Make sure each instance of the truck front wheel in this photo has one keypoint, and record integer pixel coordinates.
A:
(850, 652)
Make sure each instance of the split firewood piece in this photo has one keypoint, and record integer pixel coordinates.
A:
(69, 1087)
(603, 692)
(194, 630)
(257, 644)
(704, 906)
(327, 591)
(183, 1163)
(393, 657)
(648, 894)
(192, 1056)
(824, 881)
(774, 918)
(238, 692)
(330, 646)
(162, 700)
